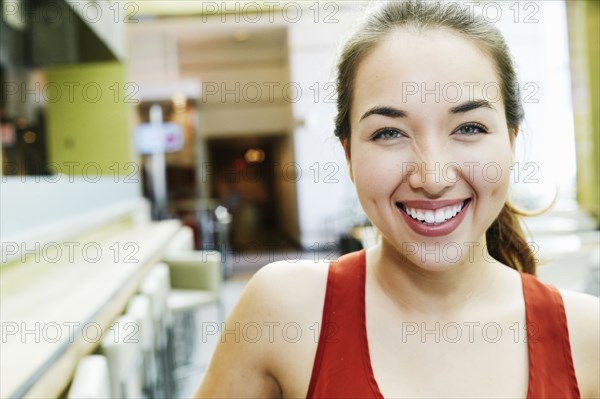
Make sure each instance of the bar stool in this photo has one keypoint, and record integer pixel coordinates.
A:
(182, 241)
(196, 279)
(156, 286)
(140, 308)
(91, 379)
(122, 349)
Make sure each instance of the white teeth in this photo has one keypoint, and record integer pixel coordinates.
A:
(434, 216)
(429, 217)
(448, 213)
(439, 216)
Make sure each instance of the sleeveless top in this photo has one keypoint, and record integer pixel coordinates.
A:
(342, 366)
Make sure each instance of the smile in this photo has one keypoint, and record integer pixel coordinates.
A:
(433, 218)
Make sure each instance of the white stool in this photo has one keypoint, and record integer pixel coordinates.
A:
(156, 286)
(183, 241)
(140, 308)
(91, 379)
(196, 279)
(122, 349)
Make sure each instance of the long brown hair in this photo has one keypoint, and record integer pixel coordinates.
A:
(505, 239)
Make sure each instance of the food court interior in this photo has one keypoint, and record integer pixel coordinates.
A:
(156, 154)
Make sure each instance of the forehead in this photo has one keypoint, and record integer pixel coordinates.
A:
(416, 68)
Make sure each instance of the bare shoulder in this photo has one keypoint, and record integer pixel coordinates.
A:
(290, 290)
(583, 319)
(299, 276)
(277, 307)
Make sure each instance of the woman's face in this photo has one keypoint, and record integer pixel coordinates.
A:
(430, 152)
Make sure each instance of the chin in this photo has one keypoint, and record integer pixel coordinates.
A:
(434, 256)
(432, 265)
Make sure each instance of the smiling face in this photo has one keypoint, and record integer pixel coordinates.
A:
(430, 152)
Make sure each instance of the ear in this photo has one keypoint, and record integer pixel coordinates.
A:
(346, 144)
(512, 135)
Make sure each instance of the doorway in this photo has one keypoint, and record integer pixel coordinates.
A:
(245, 177)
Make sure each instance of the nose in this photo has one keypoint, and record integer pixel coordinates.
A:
(433, 176)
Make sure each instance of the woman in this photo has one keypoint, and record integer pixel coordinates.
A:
(446, 304)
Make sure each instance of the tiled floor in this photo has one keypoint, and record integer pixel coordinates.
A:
(579, 272)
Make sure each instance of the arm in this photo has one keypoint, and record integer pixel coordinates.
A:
(583, 319)
(240, 368)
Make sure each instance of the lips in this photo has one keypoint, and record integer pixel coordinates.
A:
(434, 218)
(429, 214)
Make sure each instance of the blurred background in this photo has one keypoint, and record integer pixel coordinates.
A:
(155, 154)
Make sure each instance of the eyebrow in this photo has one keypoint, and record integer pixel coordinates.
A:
(471, 105)
(385, 111)
(392, 112)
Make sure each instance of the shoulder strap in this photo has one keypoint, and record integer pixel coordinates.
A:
(551, 370)
(339, 370)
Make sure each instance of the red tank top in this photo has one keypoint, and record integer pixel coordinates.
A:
(342, 367)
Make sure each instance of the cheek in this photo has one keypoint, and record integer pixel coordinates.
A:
(492, 170)
(376, 173)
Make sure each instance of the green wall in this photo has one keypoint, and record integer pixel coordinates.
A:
(591, 197)
(89, 126)
(584, 31)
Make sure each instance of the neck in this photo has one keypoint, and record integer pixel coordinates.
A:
(431, 292)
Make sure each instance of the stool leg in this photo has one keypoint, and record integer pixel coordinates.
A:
(169, 359)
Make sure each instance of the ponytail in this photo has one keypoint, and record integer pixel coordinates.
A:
(506, 241)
